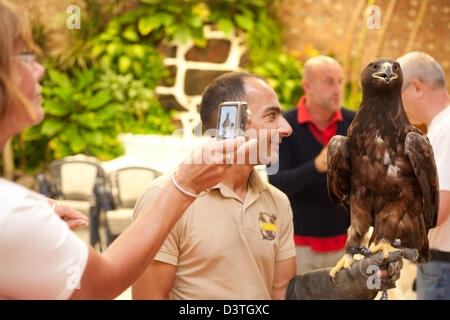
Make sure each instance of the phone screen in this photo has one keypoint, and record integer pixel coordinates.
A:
(227, 122)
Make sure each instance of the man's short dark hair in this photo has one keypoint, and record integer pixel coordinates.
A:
(227, 87)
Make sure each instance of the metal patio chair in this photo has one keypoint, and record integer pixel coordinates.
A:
(78, 182)
(125, 186)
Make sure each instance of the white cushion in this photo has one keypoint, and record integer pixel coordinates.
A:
(82, 206)
(118, 220)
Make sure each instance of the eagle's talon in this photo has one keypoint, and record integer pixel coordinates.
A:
(385, 247)
(345, 262)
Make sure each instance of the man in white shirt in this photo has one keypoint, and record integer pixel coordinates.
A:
(426, 100)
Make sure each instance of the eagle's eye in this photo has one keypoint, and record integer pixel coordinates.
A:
(375, 67)
(395, 67)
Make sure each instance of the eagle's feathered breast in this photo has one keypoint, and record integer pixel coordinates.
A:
(377, 150)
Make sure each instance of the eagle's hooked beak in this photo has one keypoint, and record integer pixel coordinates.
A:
(386, 73)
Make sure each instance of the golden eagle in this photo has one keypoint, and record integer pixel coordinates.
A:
(384, 172)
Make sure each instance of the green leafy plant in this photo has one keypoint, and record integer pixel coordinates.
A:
(85, 113)
(125, 52)
(103, 84)
(78, 50)
(172, 20)
(183, 20)
(168, 20)
(79, 118)
(284, 73)
(352, 101)
(141, 112)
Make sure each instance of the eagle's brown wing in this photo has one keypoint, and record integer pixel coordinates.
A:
(339, 172)
(420, 154)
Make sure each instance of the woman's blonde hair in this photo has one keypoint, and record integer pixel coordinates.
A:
(15, 31)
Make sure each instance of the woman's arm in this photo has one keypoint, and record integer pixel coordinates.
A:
(109, 274)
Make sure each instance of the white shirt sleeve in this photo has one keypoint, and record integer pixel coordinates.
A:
(441, 149)
(40, 258)
(439, 135)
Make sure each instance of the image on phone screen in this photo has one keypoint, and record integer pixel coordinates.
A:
(227, 121)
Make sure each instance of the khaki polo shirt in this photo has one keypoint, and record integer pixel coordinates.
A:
(225, 248)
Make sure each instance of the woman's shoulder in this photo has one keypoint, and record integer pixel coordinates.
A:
(10, 188)
(11, 192)
(14, 197)
(43, 255)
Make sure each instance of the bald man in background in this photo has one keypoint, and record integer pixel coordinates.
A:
(320, 229)
(426, 100)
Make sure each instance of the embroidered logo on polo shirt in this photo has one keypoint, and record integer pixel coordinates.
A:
(267, 225)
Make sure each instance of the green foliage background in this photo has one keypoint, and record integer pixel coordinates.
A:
(103, 83)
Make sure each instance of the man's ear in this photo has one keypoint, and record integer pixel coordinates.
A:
(306, 86)
(419, 88)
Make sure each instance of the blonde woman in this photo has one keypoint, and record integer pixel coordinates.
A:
(40, 257)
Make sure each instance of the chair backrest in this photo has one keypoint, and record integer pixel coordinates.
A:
(74, 177)
(129, 183)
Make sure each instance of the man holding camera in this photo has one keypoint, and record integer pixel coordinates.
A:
(236, 241)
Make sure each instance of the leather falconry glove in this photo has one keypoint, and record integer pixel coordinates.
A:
(358, 283)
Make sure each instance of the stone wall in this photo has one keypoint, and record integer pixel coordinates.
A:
(193, 68)
(326, 26)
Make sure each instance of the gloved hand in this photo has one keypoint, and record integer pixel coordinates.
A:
(362, 282)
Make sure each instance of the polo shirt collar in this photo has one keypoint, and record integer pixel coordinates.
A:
(255, 183)
(304, 117)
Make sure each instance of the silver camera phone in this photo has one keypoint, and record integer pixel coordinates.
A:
(233, 116)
